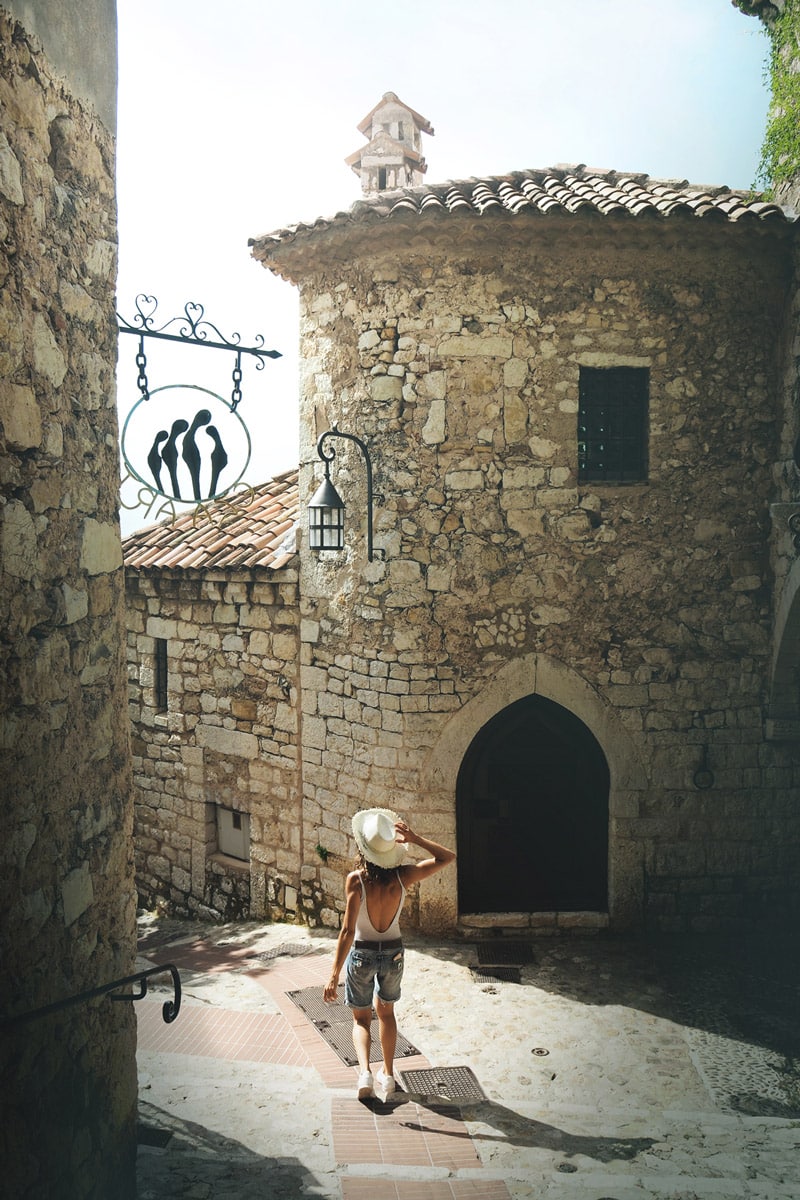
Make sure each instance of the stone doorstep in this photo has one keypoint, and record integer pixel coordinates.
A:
(579, 922)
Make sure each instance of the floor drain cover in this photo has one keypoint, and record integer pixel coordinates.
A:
(285, 950)
(334, 1023)
(498, 951)
(504, 974)
(449, 1083)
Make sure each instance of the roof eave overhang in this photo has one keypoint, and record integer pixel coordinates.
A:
(300, 254)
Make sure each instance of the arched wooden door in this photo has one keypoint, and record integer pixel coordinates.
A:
(532, 813)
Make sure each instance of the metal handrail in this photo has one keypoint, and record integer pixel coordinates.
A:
(169, 1009)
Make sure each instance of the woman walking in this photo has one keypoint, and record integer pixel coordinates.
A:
(370, 947)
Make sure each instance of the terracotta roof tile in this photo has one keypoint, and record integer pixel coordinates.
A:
(560, 190)
(252, 529)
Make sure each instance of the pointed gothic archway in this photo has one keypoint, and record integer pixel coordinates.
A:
(532, 813)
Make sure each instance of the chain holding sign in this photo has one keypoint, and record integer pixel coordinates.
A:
(183, 442)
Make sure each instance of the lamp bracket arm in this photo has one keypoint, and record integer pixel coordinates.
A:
(328, 458)
(350, 437)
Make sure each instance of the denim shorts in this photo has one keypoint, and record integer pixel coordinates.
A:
(371, 971)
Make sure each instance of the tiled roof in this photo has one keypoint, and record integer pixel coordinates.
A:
(255, 528)
(556, 191)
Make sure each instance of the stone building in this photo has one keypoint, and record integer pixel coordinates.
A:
(570, 385)
(213, 626)
(572, 655)
(68, 1126)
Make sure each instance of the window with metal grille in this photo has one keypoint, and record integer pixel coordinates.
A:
(160, 675)
(613, 424)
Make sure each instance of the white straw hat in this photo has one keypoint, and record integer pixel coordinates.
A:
(376, 837)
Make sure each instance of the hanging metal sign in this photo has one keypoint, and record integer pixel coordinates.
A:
(199, 446)
(184, 442)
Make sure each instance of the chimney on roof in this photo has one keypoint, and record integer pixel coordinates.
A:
(392, 157)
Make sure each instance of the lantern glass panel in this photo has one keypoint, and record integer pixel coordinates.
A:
(325, 528)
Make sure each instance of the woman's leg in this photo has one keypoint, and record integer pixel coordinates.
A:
(387, 1029)
(362, 1019)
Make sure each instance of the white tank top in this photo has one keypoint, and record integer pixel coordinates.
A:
(365, 930)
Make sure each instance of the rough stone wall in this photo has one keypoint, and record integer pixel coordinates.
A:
(67, 897)
(784, 700)
(645, 609)
(229, 737)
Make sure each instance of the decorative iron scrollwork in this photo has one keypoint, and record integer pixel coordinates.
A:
(192, 327)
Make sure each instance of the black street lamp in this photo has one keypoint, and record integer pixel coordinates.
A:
(326, 507)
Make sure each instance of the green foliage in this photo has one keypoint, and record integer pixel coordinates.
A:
(322, 852)
(780, 152)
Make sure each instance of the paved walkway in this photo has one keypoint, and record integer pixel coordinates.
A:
(613, 1070)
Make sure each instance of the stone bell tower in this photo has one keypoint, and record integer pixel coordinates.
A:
(392, 157)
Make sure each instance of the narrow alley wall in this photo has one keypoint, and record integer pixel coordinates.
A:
(68, 1126)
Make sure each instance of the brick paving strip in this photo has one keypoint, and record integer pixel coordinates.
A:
(446, 1189)
(398, 1135)
(221, 1033)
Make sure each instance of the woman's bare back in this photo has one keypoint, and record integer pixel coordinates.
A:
(383, 901)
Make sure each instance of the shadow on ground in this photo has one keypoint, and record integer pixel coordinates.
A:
(743, 987)
(513, 1129)
(735, 995)
(180, 1159)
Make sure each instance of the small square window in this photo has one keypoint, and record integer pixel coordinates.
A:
(613, 424)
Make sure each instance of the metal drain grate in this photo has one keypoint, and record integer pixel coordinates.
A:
(285, 950)
(498, 951)
(309, 1001)
(334, 1022)
(502, 974)
(450, 1083)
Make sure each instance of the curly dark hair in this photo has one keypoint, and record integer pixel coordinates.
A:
(372, 871)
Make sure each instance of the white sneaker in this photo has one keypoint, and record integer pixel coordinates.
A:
(365, 1089)
(385, 1084)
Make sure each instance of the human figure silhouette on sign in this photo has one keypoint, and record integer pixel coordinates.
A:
(154, 460)
(191, 455)
(170, 454)
(219, 458)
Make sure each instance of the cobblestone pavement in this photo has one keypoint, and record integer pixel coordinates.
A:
(615, 1069)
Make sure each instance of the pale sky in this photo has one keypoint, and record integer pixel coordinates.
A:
(235, 119)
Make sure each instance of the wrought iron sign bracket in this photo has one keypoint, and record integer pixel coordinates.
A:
(191, 329)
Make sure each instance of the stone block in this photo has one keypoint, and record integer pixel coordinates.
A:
(18, 540)
(77, 893)
(20, 416)
(226, 741)
(10, 174)
(386, 388)
(48, 359)
(470, 480)
(476, 346)
(434, 430)
(101, 549)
